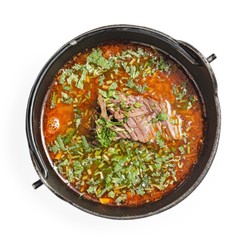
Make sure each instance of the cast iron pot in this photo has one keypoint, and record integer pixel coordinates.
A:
(191, 60)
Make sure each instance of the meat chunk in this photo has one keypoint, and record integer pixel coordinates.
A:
(140, 118)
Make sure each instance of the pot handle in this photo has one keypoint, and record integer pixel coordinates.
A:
(211, 58)
(199, 59)
(37, 184)
(192, 54)
(39, 164)
(188, 53)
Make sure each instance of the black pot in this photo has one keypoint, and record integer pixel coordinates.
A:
(203, 77)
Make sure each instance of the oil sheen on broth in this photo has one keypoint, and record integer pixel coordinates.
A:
(123, 124)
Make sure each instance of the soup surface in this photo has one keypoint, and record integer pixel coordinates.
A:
(123, 124)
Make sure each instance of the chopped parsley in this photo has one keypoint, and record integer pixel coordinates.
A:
(113, 86)
(162, 116)
(85, 144)
(59, 142)
(182, 149)
(65, 98)
(105, 135)
(53, 100)
(130, 83)
(103, 93)
(159, 140)
(101, 80)
(141, 88)
(179, 91)
(96, 58)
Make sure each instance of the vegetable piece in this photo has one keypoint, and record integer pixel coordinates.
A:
(104, 200)
(122, 198)
(60, 142)
(72, 77)
(182, 149)
(85, 144)
(159, 140)
(65, 98)
(103, 93)
(141, 88)
(61, 165)
(104, 133)
(101, 80)
(130, 83)
(140, 191)
(70, 134)
(113, 86)
(111, 194)
(180, 91)
(54, 149)
(162, 116)
(96, 57)
(80, 82)
(53, 100)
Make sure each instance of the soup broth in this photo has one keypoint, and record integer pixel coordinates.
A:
(123, 124)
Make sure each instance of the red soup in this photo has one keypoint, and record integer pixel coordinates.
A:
(123, 124)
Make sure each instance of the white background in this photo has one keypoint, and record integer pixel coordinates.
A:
(31, 32)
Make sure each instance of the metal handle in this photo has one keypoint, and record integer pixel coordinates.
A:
(37, 184)
(194, 53)
(211, 58)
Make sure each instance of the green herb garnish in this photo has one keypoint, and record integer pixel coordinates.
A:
(182, 149)
(113, 86)
(159, 140)
(105, 134)
(65, 98)
(60, 142)
(130, 83)
(96, 57)
(101, 80)
(103, 93)
(162, 116)
(85, 144)
(141, 88)
(53, 100)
